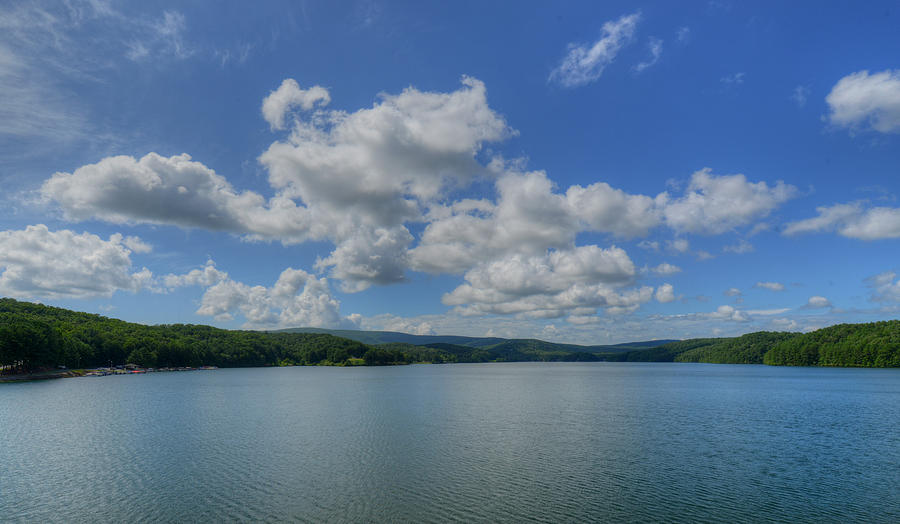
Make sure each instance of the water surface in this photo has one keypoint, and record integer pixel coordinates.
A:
(529, 442)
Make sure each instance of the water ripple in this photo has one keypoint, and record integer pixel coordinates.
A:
(463, 443)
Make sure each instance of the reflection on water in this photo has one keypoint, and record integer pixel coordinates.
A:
(467, 442)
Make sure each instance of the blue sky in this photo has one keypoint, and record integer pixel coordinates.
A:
(584, 172)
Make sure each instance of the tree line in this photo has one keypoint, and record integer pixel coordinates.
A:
(34, 336)
(875, 344)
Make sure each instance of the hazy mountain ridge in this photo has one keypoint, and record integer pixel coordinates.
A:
(385, 337)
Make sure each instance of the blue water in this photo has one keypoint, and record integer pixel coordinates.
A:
(530, 442)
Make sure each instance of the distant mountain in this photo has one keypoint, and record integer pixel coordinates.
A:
(493, 343)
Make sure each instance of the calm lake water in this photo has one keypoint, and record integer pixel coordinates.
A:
(467, 442)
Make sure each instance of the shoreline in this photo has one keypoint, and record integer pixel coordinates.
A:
(31, 377)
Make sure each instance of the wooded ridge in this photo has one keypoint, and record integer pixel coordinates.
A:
(35, 337)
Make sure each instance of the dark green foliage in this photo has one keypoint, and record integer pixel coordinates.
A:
(664, 353)
(34, 336)
(746, 349)
(876, 344)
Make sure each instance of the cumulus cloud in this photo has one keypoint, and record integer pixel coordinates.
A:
(528, 219)
(605, 209)
(550, 285)
(786, 324)
(369, 172)
(817, 302)
(665, 269)
(884, 287)
(732, 292)
(388, 322)
(851, 220)
(369, 257)
(716, 204)
(173, 191)
(359, 179)
(862, 100)
(679, 245)
(352, 178)
(205, 277)
(530, 216)
(771, 286)
(665, 293)
(38, 263)
(289, 95)
(584, 63)
(297, 299)
(728, 313)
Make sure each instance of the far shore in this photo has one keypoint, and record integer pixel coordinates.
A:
(42, 375)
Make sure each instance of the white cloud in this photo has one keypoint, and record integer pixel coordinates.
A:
(388, 322)
(365, 173)
(884, 287)
(550, 285)
(733, 79)
(137, 245)
(352, 178)
(649, 245)
(369, 257)
(767, 312)
(665, 293)
(289, 95)
(726, 313)
(786, 324)
(528, 219)
(816, 302)
(359, 179)
(716, 204)
(861, 100)
(679, 245)
(665, 269)
(655, 46)
(852, 221)
(38, 263)
(604, 209)
(740, 248)
(167, 35)
(799, 95)
(585, 63)
(205, 277)
(174, 191)
(732, 292)
(297, 299)
(683, 34)
(771, 286)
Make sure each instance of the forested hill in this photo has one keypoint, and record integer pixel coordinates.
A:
(875, 344)
(34, 336)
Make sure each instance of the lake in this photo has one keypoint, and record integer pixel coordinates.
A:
(518, 442)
